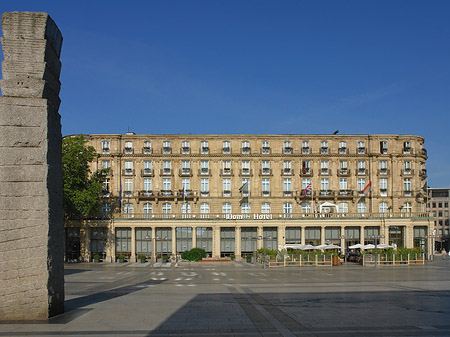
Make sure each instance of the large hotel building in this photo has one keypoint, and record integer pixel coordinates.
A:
(234, 194)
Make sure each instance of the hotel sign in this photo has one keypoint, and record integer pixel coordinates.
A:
(256, 216)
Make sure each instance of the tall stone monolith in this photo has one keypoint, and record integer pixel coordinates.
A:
(31, 207)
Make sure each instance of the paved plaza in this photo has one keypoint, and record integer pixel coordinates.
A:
(240, 299)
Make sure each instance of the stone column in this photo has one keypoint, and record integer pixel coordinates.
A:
(303, 239)
(259, 234)
(281, 241)
(237, 243)
(31, 200)
(174, 240)
(133, 244)
(216, 242)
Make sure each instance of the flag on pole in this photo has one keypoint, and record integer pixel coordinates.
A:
(244, 188)
(120, 193)
(367, 188)
(307, 190)
(182, 193)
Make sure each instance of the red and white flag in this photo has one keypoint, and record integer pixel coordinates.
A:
(368, 187)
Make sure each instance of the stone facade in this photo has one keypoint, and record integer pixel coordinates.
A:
(31, 211)
(183, 191)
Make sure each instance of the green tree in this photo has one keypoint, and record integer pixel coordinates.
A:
(82, 188)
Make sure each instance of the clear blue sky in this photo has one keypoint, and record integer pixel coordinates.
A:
(254, 66)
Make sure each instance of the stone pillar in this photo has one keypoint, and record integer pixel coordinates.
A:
(281, 237)
(322, 235)
(259, 234)
(194, 236)
(216, 242)
(133, 244)
(237, 243)
(31, 200)
(303, 239)
(174, 241)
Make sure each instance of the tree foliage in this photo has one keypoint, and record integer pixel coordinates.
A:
(195, 254)
(82, 188)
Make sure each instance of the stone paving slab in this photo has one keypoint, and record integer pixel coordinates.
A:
(240, 299)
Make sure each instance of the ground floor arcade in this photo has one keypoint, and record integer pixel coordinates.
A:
(234, 237)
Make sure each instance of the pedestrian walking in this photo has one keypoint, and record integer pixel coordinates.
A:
(444, 254)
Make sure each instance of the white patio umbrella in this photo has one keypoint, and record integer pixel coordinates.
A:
(369, 246)
(358, 245)
(383, 246)
(308, 247)
(321, 247)
(332, 247)
(294, 246)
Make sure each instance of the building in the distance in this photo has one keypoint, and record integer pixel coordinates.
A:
(438, 204)
(233, 194)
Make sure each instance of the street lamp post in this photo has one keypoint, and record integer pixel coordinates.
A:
(345, 245)
(375, 239)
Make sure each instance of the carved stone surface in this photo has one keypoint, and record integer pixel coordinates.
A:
(31, 211)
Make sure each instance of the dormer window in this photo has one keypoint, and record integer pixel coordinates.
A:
(128, 147)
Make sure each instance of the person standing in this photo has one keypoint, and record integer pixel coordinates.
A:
(444, 253)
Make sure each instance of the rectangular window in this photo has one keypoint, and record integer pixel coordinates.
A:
(166, 147)
(287, 186)
(383, 207)
(185, 147)
(305, 147)
(204, 208)
(265, 186)
(306, 182)
(407, 186)
(287, 167)
(205, 147)
(226, 166)
(407, 167)
(343, 184)
(226, 184)
(226, 208)
(287, 149)
(306, 167)
(106, 147)
(383, 167)
(147, 167)
(106, 164)
(204, 167)
(265, 147)
(128, 167)
(361, 185)
(204, 186)
(383, 187)
(128, 147)
(245, 147)
(265, 165)
(343, 207)
(407, 148)
(128, 188)
(167, 165)
(226, 148)
(361, 207)
(186, 184)
(324, 167)
(383, 147)
(265, 207)
(324, 147)
(245, 167)
(342, 147)
(167, 184)
(306, 207)
(361, 148)
(147, 147)
(147, 185)
(324, 184)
